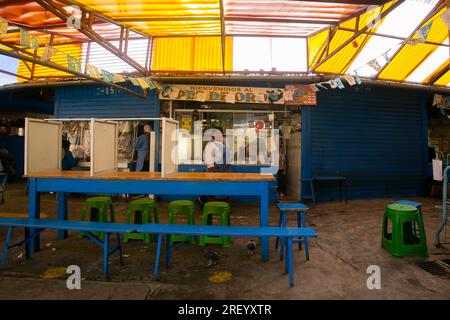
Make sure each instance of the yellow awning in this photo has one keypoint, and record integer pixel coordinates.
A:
(191, 54)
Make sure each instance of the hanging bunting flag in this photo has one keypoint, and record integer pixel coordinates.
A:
(332, 84)
(142, 83)
(320, 85)
(412, 42)
(93, 71)
(350, 79)
(386, 56)
(134, 81)
(374, 64)
(118, 78)
(357, 78)
(423, 32)
(28, 40)
(339, 82)
(446, 17)
(3, 26)
(150, 83)
(73, 64)
(107, 76)
(48, 53)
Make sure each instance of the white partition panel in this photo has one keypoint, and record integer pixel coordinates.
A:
(43, 150)
(103, 145)
(169, 141)
(152, 151)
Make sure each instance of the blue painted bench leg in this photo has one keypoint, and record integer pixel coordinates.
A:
(105, 254)
(119, 245)
(305, 239)
(5, 250)
(283, 224)
(168, 252)
(280, 215)
(62, 213)
(158, 253)
(289, 258)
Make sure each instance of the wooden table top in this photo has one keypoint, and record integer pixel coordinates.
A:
(183, 176)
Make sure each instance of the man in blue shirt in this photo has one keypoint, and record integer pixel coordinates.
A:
(68, 161)
(142, 144)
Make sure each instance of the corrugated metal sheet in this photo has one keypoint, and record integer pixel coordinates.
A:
(316, 45)
(374, 137)
(60, 58)
(444, 80)
(103, 102)
(191, 54)
(411, 56)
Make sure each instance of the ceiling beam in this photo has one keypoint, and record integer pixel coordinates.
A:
(438, 75)
(222, 33)
(91, 34)
(36, 60)
(435, 10)
(355, 36)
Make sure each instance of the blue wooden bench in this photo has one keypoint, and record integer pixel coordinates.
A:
(33, 227)
(286, 234)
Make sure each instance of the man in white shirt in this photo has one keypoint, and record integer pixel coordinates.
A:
(213, 154)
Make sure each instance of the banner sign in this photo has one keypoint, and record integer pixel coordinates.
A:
(301, 95)
(222, 94)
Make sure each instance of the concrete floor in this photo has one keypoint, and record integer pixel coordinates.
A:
(348, 242)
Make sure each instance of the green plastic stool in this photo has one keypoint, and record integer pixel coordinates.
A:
(402, 240)
(142, 209)
(221, 209)
(97, 207)
(177, 207)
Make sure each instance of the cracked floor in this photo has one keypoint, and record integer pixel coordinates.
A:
(348, 242)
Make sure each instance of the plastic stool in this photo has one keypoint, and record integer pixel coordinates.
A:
(142, 209)
(300, 209)
(221, 209)
(402, 239)
(97, 207)
(180, 207)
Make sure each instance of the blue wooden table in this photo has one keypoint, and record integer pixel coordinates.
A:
(180, 183)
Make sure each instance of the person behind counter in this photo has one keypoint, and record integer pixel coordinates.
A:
(141, 144)
(68, 160)
(216, 154)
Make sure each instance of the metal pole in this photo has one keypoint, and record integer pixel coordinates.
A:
(444, 207)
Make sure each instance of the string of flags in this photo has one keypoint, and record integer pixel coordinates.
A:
(32, 42)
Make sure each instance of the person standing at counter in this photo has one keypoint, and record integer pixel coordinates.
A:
(68, 160)
(216, 155)
(142, 144)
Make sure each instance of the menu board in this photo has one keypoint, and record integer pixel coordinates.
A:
(298, 94)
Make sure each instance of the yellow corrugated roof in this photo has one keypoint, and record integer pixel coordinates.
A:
(411, 56)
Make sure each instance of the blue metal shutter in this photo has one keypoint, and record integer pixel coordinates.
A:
(103, 102)
(374, 137)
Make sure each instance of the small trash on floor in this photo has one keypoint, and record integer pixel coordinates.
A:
(21, 255)
(220, 277)
(48, 244)
(54, 273)
(53, 249)
(251, 247)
